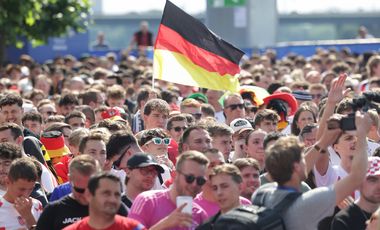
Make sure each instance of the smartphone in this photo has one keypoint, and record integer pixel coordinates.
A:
(189, 203)
(348, 123)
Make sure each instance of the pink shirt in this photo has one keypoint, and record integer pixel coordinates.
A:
(152, 206)
(212, 208)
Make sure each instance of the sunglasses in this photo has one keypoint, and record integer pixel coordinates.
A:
(235, 106)
(197, 116)
(158, 141)
(78, 190)
(191, 178)
(178, 129)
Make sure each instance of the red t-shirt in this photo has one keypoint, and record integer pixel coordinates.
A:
(121, 223)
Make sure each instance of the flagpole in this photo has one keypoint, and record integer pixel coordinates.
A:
(153, 73)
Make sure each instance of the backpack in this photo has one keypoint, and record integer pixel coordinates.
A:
(256, 216)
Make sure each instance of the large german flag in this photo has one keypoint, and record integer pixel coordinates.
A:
(187, 52)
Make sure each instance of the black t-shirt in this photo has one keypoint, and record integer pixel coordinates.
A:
(351, 217)
(64, 212)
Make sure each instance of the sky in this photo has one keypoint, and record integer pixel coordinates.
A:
(284, 6)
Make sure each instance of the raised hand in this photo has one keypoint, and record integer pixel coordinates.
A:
(337, 91)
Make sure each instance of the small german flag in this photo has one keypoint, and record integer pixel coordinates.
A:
(187, 52)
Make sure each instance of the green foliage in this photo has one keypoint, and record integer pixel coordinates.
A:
(37, 20)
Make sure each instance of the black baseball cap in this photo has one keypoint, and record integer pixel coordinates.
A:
(141, 160)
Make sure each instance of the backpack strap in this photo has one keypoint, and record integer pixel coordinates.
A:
(286, 201)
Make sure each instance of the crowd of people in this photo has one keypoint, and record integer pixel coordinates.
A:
(94, 143)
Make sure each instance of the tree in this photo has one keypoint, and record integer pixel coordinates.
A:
(37, 20)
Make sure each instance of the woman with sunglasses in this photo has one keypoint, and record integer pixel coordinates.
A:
(155, 142)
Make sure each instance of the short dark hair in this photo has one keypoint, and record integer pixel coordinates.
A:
(68, 99)
(118, 141)
(219, 129)
(156, 105)
(16, 130)
(9, 151)
(91, 136)
(179, 117)
(23, 168)
(57, 126)
(186, 134)
(281, 156)
(11, 99)
(273, 136)
(73, 114)
(227, 169)
(294, 128)
(265, 114)
(93, 183)
(31, 116)
(241, 163)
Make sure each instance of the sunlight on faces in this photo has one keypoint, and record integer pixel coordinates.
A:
(34, 126)
(346, 144)
(305, 118)
(268, 125)
(47, 111)
(178, 127)
(77, 122)
(107, 197)
(66, 109)
(19, 188)
(199, 139)
(6, 136)
(255, 147)
(157, 150)
(12, 113)
(143, 178)
(80, 181)
(370, 189)
(183, 188)
(155, 119)
(232, 114)
(226, 191)
(96, 149)
(223, 144)
(251, 181)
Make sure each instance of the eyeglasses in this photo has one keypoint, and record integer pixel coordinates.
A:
(178, 128)
(316, 96)
(235, 106)
(197, 116)
(158, 141)
(191, 178)
(78, 190)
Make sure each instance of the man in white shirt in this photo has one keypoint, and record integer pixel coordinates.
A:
(17, 209)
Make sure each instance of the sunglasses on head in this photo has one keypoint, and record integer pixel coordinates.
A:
(235, 106)
(191, 178)
(178, 128)
(78, 190)
(158, 141)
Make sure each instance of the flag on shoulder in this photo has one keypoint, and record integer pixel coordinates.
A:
(187, 52)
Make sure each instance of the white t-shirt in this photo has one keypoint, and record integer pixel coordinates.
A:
(333, 174)
(219, 116)
(11, 219)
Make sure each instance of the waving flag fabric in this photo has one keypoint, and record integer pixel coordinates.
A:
(188, 53)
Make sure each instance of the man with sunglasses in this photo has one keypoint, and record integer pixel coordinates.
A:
(176, 126)
(74, 206)
(317, 92)
(142, 172)
(158, 210)
(233, 107)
